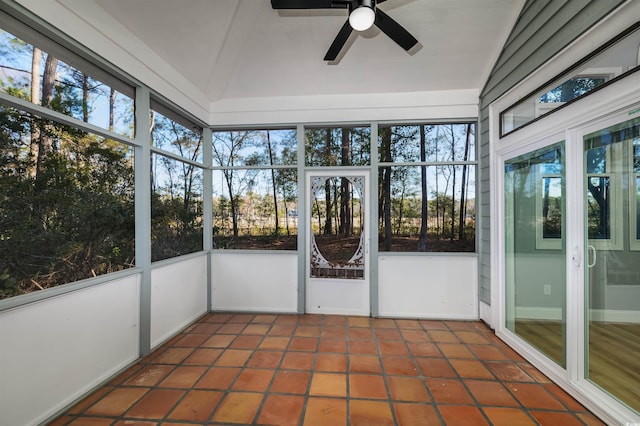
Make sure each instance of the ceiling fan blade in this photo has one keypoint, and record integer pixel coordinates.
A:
(394, 30)
(301, 4)
(338, 42)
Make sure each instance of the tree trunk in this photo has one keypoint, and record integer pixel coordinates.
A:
(318, 211)
(85, 98)
(49, 80)
(422, 238)
(45, 143)
(600, 195)
(152, 125)
(385, 150)
(228, 177)
(273, 181)
(437, 189)
(284, 198)
(328, 226)
(35, 75)
(335, 209)
(453, 186)
(463, 192)
(401, 209)
(346, 226)
(35, 99)
(112, 106)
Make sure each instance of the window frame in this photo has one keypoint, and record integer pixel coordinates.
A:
(542, 242)
(613, 161)
(634, 198)
(561, 77)
(259, 168)
(377, 165)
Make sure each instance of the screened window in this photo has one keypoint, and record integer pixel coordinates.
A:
(33, 74)
(255, 189)
(174, 134)
(426, 189)
(176, 208)
(337, 146)
(66, 204)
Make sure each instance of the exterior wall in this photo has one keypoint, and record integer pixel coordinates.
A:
(58, 349)
(259, 281)
(432, 286)
(178, 296)
(543, 29)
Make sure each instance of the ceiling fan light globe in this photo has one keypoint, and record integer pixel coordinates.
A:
(362, 18)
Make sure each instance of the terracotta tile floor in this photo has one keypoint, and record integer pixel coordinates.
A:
(330, 370)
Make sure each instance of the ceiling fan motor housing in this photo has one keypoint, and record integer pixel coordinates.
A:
(363, 17)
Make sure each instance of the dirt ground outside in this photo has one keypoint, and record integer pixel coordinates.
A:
(338, 247)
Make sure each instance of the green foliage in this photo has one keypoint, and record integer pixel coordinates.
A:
(176, 200)
(326, 147)
(8, 284)
(176, 227)
(572, 89)
(70, 219)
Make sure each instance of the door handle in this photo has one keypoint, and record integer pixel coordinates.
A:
(591, 250)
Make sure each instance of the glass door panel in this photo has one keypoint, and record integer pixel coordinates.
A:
(535, 278)
(612, 274)
(337, 240)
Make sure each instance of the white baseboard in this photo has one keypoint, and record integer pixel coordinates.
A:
(538, 313)
(427, 316)
(614, 315)
(555, 314)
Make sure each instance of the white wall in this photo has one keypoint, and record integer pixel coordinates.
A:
(486, 314)
(428, 286)
(55, 350)
(178, 296)
(439, 104)
(534, 271)
(254, 281)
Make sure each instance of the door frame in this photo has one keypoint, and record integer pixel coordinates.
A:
(614, 103)
(333, 295)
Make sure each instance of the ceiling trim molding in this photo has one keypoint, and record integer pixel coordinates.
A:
(433, 105)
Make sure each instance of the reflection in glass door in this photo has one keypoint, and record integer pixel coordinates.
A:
(535, 278)
(337, 260)
(612, 246)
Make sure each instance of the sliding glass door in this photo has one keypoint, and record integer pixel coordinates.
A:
(611, 176)
(571, 256)
(535, 277)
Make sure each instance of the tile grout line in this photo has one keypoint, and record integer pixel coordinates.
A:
(495, 379)
(245, 320)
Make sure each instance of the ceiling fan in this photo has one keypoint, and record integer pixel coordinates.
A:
(362, 15)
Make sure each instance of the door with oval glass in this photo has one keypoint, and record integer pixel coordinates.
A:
(337, 255)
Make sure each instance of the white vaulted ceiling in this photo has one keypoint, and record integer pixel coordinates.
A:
(215, 57)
